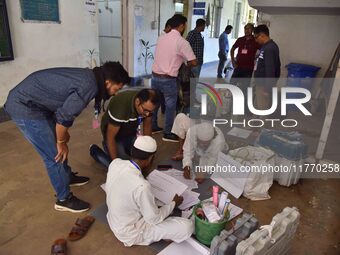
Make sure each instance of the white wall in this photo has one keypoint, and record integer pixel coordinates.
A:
(308, 39)
(40, 45)
(142, 29)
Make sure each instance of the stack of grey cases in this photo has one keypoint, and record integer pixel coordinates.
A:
(291, 152)
(273, 239)
(226, 242)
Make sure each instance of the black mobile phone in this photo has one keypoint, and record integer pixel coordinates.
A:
(164, 167)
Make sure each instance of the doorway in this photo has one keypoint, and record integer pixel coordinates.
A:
(112, 31)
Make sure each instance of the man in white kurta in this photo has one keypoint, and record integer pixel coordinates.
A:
(132, 214)
(204, 142)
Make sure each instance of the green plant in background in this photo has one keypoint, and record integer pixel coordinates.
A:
(92, 63)
(146, 53)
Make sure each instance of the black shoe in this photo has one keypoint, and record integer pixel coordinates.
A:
(156, 130)
(170, 138)
(76, 180)
(72, 204)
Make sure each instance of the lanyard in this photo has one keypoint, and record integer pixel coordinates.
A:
(135, 164)
(139, 128)
(140, 120)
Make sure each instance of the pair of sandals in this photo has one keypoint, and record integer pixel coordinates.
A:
(79, 230)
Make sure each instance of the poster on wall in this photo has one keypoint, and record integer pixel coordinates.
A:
(6, 50)
(40, 11)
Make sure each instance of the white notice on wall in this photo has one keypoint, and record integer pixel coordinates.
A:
(91, 6)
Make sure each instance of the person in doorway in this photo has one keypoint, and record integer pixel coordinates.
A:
(171, 51)
(267, 67)
(133, 216)
(244, 62)
(122, 122)
(44, 106)
(196, 41)
(223, 43)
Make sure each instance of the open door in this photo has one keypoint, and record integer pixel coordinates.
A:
(111, 30)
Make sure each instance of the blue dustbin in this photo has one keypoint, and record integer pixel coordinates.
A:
(300, 75)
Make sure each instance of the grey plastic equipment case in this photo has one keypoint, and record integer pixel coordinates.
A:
(273, 239)
(226, 242)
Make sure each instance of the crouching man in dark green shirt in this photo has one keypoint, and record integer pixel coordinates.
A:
(122, 122)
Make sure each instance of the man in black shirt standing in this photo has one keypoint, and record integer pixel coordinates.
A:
(267, 67)
(196, 41)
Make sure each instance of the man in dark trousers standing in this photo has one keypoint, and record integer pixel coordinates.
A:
(44, 106)
(267, 67)
(171, 51)
(244, 62)
(196, 41)
(223, 43)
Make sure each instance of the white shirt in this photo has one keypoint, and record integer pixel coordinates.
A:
(131, 205)
(209, 156)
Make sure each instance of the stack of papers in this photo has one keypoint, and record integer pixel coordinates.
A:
(233, 183)
(233, 209)
(189, 246)
(178, 175)
(190, 198)
(166, 184)
(165, 187)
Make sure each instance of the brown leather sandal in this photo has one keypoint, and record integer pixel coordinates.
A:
(59, 247)
(81, 227)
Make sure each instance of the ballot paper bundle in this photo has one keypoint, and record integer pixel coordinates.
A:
(166, 184)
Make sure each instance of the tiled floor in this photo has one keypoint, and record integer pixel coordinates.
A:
(29, 224)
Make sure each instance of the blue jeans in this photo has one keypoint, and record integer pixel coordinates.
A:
(41, 134)
(221, 64)
(168, 88)
(123, 151)
(196, 70)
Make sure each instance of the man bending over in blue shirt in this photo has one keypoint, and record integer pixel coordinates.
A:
(44, 106)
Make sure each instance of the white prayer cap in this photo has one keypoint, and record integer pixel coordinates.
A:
(145, 143)
(205, 131)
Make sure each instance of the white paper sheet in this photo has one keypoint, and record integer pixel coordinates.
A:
(190, 198)
(227, 180)
(187, 213)
(188, 247)
(234, 211)
(178, 175)
(165, 187)
(239, 132)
